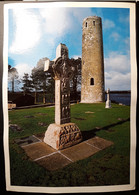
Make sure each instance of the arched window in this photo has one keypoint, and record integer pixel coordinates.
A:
(93, 23)
(92, 81)
(86, 24)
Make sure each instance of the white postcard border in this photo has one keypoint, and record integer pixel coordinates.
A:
(130, 186)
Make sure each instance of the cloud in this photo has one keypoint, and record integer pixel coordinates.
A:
(117, 62)
(117, 71)
(124, 19)
(107, 24)
(108, 76)
(23, 68)
(118, 81)
(27, 31)
(52, 23)
(127, 45)
(76, 56)
(115, 36)
(81, 13)
(127, 41)
(56, 22)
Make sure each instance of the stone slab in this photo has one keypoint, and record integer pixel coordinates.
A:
(27, 140)
(79, 151)
(38, 150)
(99, 143)
(54, 161)
(40, 136)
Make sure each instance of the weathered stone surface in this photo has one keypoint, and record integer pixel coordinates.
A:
(15, 127)
(79, 151)
(62, 102)
(61, 49)
(57, 102)
(92, 89)
(108, 102)
(99, 143)
(41, 114)
(29, 116)
(40, 136)
(62, 136)
(54, 162)
(11, 105)
(57, 135)
(27, 140)
(52, 159)
(42, 124)
(38, 150)
(63, 71)
(89, 112)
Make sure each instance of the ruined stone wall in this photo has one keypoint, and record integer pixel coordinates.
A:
(92, 89)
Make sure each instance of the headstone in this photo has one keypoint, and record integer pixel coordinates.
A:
(63, 133)
(108, 102)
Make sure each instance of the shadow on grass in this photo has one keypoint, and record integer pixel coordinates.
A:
(92, 133)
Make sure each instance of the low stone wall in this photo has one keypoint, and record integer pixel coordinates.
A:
(11, 106)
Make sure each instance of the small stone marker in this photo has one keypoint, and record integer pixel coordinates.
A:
(108, 102)
(63, 133)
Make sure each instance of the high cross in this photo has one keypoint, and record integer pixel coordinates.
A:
(63, 71)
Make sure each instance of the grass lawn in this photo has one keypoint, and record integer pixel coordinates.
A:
(107, 167)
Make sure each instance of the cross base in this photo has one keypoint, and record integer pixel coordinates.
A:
(62, 136)
(108, 104)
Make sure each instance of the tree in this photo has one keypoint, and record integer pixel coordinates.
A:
(76, 80)
(42, 76)
(35, 82)
(12, 76)
(27, 84)
(42, 81)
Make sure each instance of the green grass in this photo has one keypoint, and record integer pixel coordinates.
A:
(30, 125)
(107, 167)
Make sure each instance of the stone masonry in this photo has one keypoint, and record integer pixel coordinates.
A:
(92, 88)
(63, 133)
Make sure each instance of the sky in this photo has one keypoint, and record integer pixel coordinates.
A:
(34, 33)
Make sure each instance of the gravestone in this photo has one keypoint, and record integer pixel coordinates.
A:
(62, 133)
(108, 102)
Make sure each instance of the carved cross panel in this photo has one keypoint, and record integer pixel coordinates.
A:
(65, 101)
(63, 68)
(63, 71)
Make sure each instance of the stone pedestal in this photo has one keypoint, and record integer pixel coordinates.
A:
(108, 104)
(62, 136)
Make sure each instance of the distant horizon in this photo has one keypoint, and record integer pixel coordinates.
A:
(34, 33)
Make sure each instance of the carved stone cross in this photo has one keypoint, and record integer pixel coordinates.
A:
(63, 71)
(62, 134)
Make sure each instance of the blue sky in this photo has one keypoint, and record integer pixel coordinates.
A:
(34, 33)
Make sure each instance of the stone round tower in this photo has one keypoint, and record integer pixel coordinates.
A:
(92, 88)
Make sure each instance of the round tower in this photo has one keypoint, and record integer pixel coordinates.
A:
(92, 88)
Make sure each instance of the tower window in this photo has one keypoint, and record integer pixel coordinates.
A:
(93, 23)
(92, 81)
(86, 24)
